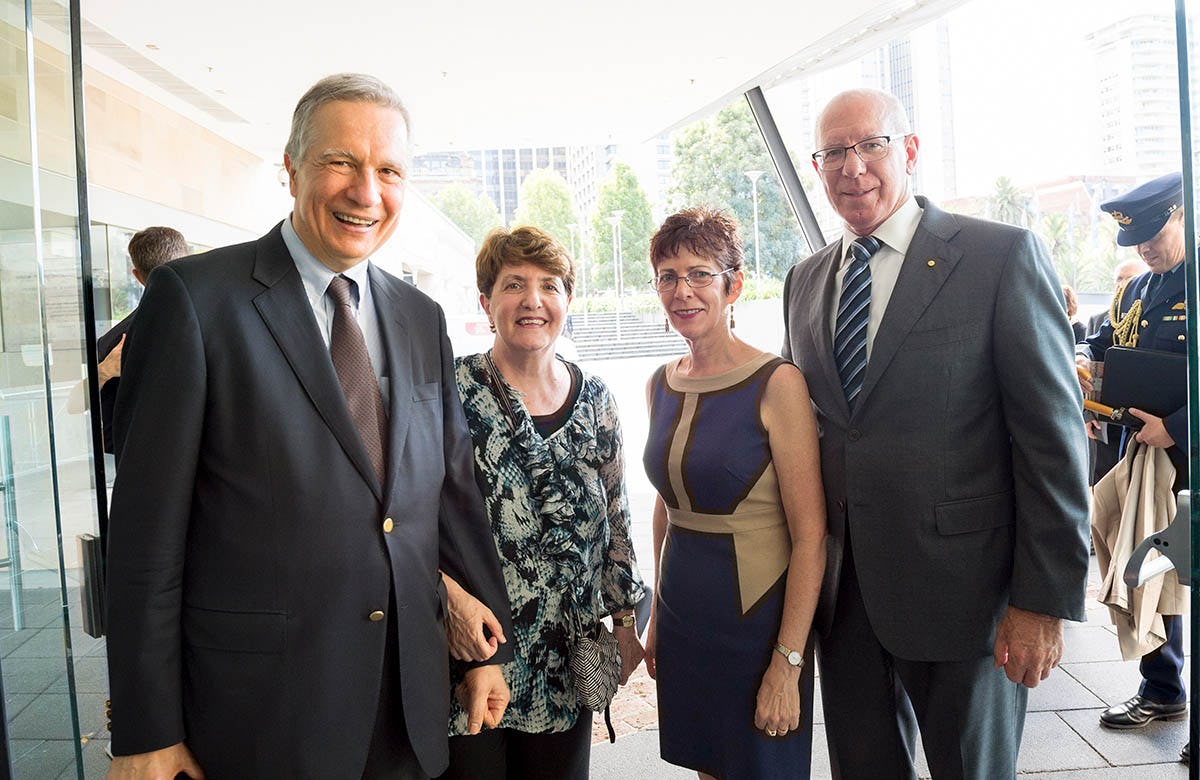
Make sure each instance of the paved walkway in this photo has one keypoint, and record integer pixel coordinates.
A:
(1063, 739)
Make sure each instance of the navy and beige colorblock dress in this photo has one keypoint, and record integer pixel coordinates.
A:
(722, 574)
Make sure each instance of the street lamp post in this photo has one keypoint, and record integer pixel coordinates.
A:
(615, 221)
(754, 188)
(572, 227)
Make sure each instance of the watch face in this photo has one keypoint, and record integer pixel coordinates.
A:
(794, 658)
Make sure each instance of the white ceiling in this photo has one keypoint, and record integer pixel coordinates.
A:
(474, 73)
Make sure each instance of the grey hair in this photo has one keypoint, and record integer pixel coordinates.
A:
(891, 111)
(352, 87)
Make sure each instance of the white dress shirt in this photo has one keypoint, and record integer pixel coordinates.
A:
(895, 234)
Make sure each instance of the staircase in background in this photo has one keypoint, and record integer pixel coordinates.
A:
(597, 338)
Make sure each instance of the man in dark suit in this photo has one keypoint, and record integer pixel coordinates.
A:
(936, 349)
(295, 468)
(1104, 445)
(148, 249)
(1151, 314)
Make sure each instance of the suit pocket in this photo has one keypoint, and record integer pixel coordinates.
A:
(235, 632)
(429, 391)
(934, 337)
(974, 514)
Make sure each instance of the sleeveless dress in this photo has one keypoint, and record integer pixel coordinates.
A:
(722, 575)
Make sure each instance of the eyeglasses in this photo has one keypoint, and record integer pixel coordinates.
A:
(694, 279)
(868, 150)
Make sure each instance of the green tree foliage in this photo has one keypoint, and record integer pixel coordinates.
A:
(621, 192)
(545, 202)
(1009, 204)
(1084, 252)
(474, 216)
(711, 160)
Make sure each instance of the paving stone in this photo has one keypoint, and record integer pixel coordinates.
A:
(47, 717)
(49, 759)
(1159, 742)
(1061, 691)
(31, 675)
(1087, 643)
(634, 756)
(1049, 744)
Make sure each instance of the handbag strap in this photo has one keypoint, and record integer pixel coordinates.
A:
(500, 389)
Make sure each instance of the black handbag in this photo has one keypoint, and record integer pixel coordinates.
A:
(596, 664)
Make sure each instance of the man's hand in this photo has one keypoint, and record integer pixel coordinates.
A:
(484, 695)
(162, 764)
(110, 367)
(1084, 372)
(1092, 427)
(465, 623)
(1153, 431)
(1028, 645)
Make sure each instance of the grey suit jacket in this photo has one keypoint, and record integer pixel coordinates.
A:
(960, 475)
(248, 546)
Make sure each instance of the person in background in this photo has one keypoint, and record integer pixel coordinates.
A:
(148, 249)
(938, 356)
(548, 453)
(294, 469)
(739, 524)
(1104, 440)
(1151, 314)
(1078, 329)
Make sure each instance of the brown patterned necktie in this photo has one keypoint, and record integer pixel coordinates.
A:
(359, 384)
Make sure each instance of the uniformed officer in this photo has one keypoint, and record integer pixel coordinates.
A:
(1151, 314)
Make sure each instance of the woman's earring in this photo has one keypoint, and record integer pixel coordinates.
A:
(491, 325)
(732, 324)
(666, 324)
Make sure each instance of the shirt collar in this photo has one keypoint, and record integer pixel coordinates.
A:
(315, 274)
(897, 231)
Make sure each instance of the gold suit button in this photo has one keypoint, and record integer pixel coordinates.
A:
(1145, 324)
(1182, 337)
(388, 525)
(375, 616)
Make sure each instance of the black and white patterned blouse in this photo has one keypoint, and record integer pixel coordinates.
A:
(560, 515)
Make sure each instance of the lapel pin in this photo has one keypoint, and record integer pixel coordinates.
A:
(931, 263)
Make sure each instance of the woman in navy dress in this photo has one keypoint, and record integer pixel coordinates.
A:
(739, 524)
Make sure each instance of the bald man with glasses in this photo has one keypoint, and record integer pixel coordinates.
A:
(937, 352)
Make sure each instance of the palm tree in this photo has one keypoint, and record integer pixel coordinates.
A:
(1009, 204)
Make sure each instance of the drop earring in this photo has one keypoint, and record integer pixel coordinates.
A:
(666, 324)
(491, 325)
(732, 324)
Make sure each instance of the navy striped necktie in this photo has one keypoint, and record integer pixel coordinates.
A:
(854, 310)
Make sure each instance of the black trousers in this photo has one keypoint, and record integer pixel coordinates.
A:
(508, 754)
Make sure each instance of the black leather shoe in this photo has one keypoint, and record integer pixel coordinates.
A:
(1137, 712)
(1185, 755)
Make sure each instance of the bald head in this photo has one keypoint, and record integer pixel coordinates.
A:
(883, 106)
(1128, 270)
(866, 192)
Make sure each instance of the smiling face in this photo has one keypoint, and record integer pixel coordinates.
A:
(528, 306)
(697, 312)
(349, 186)
(865, 194)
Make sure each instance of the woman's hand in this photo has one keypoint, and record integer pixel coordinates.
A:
(465, 622)
(778, 708)
(630, 650)
(648, 648)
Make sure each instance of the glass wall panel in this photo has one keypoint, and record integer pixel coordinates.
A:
(54, 676)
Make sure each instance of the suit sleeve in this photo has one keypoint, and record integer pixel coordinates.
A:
(786, 351)
(158, 427)
(1041, 403)
(466, 548)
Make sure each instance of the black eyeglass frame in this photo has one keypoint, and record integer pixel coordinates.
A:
(821, 154)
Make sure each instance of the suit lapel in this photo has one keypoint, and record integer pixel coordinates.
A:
(928, 263)
(819, 323)
(393, 324)
(286, 312)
